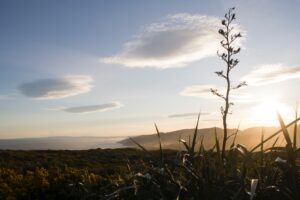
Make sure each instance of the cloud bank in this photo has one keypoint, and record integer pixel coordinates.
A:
(268, 74)
(184, 115)
(93, 108)
(198, 91)
(57, 88)
(174, 42)
(204, 91)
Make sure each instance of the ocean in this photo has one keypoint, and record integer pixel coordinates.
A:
(61, 143)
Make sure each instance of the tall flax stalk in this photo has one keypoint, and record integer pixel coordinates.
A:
(229, 37)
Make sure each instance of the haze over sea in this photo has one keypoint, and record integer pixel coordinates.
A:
(61, 143)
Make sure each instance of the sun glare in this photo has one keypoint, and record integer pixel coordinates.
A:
(265, 113)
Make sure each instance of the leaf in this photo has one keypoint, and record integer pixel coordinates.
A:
(285, 132)
(280, 160)
(223, 22)
(139, 145)
(220, 73)
(216, 92)
(113, 195)
(295, 129)
(274, 134)
(276, 140)
(217, 145)
(239, 85)
(221, 31)
(254, 183)
(277, 149)
(185, 144)
(160, 146)
(262, 150)
(243, 151)
(195, 136)
(236, 195)
(235, 134)
(201, 145)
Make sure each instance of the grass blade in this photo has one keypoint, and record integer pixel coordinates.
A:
(185, 144)
(201, 145)
(139, 145)
(295, 129)
(217, 145)
(262, 149)
(274, 134)
(160, 146)
(254, 183)
(235, 134)
(195, 136)
(285, 132)
(243, 150)
(276, 140)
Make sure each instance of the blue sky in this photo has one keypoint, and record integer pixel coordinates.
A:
(111, 68)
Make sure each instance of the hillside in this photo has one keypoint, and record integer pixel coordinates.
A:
(248, 137)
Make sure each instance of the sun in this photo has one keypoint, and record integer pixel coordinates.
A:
(265, 113)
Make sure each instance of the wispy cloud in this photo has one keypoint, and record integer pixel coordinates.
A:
(7, 96)
(184, 115)
(57, 88)
(93, 108)
(211, 120)
(174, 42)
(272, 73)
(204, 91)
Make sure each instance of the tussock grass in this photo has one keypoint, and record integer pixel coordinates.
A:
(272, 173)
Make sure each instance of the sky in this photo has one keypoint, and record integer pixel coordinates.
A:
(114, 68)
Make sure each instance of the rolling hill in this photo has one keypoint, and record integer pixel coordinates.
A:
(170, 140)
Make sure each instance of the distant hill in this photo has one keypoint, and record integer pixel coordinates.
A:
(61, 143)
(248, 137)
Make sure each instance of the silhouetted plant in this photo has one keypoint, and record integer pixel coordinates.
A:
(260, 173)
(227, 32)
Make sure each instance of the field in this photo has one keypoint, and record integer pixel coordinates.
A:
(271, 173)
(86, 174)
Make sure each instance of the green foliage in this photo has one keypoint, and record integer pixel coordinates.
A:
(62, 174)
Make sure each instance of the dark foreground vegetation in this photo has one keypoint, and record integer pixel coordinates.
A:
(51, 174)
(271, 173)
(85, 174)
